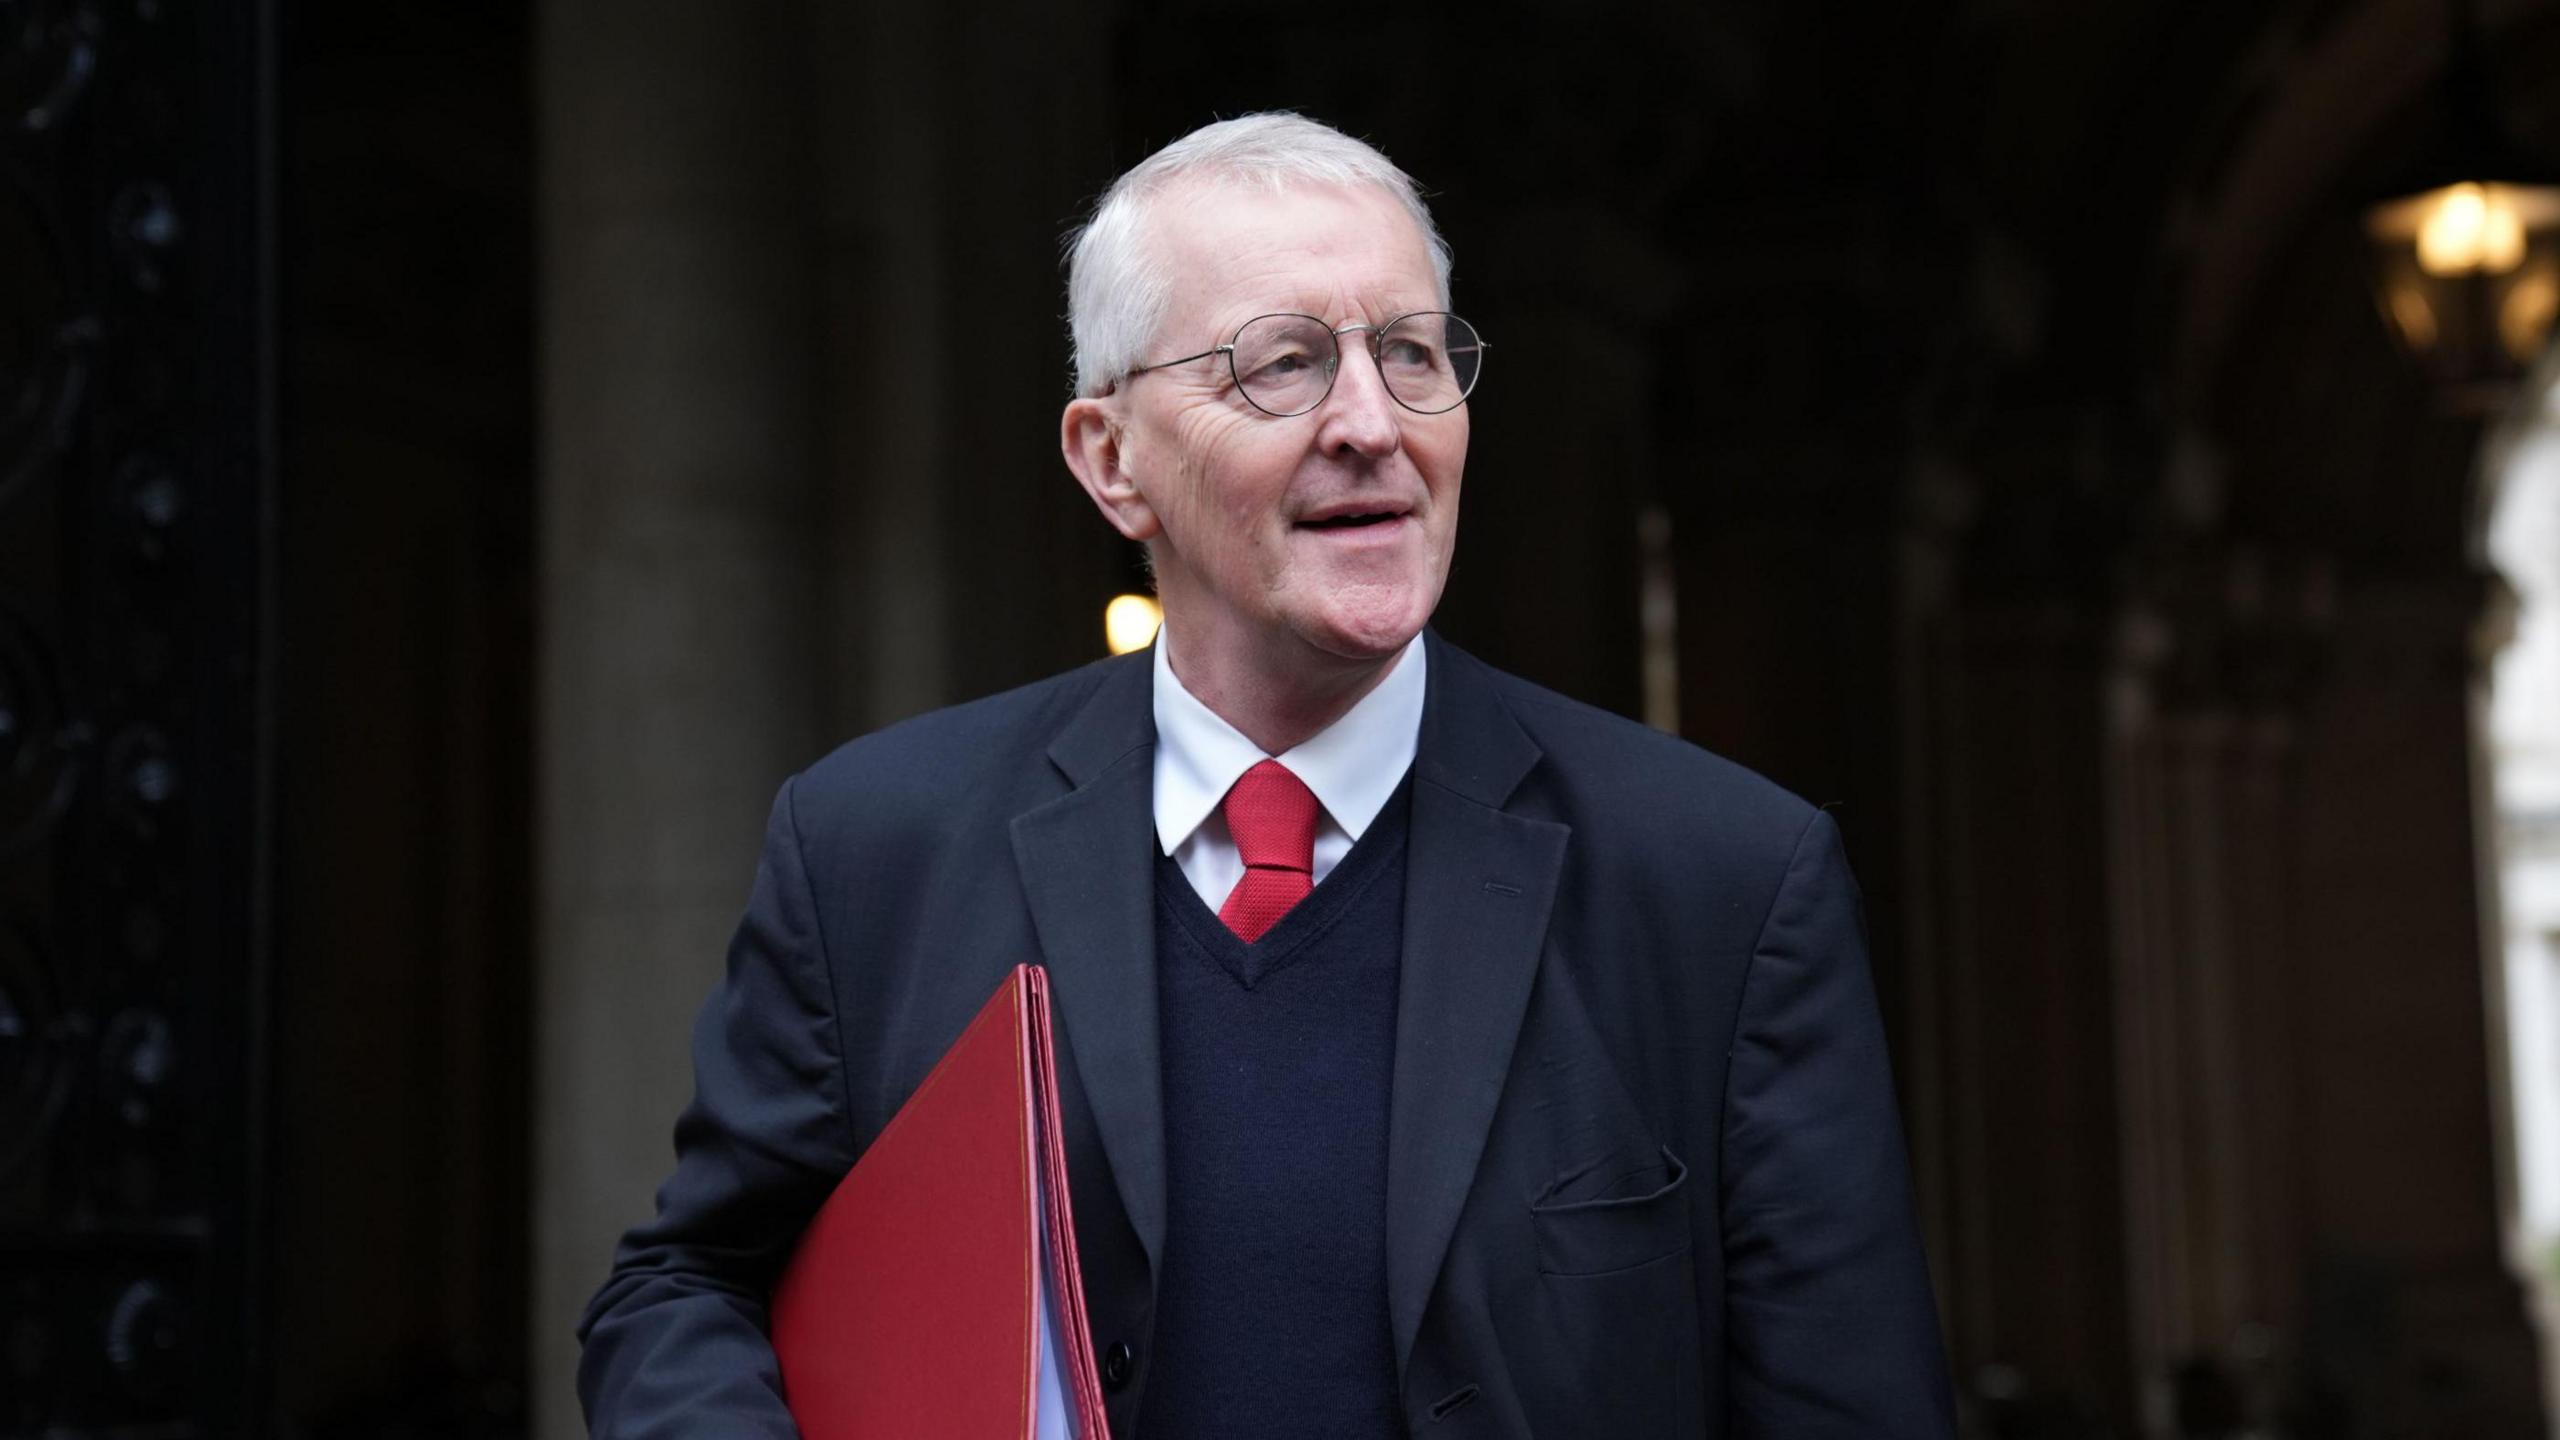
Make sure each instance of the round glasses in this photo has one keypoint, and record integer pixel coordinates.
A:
(1285, 364)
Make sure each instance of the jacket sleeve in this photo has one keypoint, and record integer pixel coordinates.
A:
(1830, 1329)
(674, 1344)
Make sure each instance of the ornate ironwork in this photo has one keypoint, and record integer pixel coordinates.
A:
(44, 343)
(131, 534)
(48, 57)
(40, 743)
(38, 1042)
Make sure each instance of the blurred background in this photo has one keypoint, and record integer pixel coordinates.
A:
(456, 460)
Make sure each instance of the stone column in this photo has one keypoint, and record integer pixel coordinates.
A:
(2418, 1321)
(678, 674)
(894, 358)
(961, 556)
(2206, 688)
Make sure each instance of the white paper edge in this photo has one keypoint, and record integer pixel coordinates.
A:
(1055, 1412)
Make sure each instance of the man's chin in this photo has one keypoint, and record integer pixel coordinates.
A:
(1366, 635)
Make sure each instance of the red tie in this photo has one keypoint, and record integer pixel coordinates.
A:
(1272, 815)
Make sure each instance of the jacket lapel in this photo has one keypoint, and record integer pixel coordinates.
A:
(1479, 884)
(1087, 863)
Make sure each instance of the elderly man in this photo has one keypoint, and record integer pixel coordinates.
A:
(1437, 1053)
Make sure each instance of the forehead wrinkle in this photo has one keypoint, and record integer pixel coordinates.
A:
(1337, 309)
(1253, 271)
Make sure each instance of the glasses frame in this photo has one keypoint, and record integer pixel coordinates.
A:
(1332, 372)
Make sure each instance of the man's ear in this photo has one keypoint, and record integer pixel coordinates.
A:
(1090, 435)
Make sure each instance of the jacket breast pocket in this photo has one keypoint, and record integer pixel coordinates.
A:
(1625, 1210)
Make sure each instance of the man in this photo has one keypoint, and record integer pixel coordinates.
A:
(1437, 1053)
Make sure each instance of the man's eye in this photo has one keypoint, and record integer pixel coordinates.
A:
(1285, 365)
(1411, 355)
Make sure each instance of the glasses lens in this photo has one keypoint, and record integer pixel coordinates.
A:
(1430, 360)
(1285, 362)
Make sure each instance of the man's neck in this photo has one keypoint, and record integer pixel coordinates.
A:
(1276, 706)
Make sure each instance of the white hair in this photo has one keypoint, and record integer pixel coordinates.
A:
(1118, 290)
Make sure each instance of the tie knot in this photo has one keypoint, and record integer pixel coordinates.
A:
(1271, 814)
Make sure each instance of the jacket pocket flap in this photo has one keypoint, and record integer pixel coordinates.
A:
(1613, 1215)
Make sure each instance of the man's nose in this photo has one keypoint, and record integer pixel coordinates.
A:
(1360, 415)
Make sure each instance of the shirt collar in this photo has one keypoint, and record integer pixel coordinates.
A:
(1352, 765)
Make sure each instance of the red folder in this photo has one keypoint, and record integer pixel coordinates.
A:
(918, 1300)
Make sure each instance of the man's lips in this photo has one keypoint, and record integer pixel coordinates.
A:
(1353, 518)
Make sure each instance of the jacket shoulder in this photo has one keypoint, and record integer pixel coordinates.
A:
(1673, 791)
(950, 760)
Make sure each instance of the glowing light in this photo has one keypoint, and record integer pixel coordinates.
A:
(2469, 278)
(2417, 322)
(2470, 227)
(1129, 623)
(2526, 315)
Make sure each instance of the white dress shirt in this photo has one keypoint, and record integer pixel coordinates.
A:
(1352, 765)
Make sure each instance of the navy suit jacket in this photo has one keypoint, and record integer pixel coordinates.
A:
(1645, 1175)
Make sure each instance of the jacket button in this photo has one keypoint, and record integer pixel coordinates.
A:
(1116, 1363)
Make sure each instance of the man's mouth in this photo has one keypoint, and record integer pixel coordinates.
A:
(1354, 521)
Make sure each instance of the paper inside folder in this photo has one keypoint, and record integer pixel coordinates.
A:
(1057, 1417)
